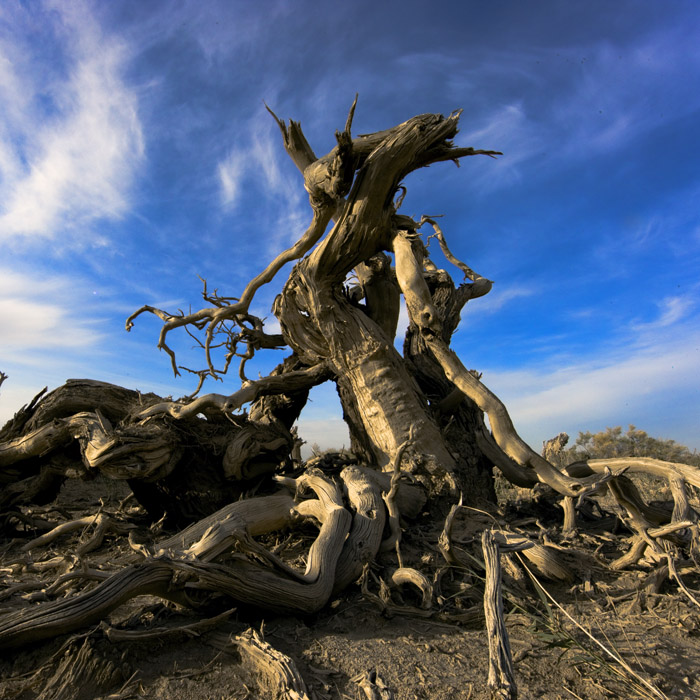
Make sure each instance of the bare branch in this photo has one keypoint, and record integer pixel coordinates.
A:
(484, 284)
(637, 465)
(202, 374)
(295, 142)
(214, 316)
(250, 391)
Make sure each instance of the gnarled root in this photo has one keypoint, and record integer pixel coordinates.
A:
(200, 558)
(62, 616)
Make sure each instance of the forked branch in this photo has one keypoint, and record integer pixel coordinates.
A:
(212, 317)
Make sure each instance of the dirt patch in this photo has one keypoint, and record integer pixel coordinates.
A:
(413, 655)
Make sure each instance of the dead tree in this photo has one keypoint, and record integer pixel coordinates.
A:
(416, 419)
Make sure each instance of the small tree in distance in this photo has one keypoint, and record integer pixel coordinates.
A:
(612, 442)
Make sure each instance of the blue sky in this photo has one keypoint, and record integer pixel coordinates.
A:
(136, 154)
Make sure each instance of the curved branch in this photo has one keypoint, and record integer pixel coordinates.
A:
(637, 465)
(409, 273)
(295, 380)
(515, 473)
(214, 316)
(423, 313)
(484, 285)
(503, 430)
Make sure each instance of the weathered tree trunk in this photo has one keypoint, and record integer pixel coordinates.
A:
(375, 386)
(415, 418)
(380, 391)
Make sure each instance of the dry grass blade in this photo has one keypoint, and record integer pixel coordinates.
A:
(623, 669)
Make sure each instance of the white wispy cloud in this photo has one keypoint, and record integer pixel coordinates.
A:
(44, 314)
(57, 326)
(262, 167)
(578, 101)
(587, 390)
(632, 376)
(571, 398)
(672, 310)
(511, 130)
(626, 90)
(499, 297)
(69, 147)
(231, 173)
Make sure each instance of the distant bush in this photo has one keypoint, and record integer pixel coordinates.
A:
(612, 442)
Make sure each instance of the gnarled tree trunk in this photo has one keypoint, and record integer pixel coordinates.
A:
(416, 419)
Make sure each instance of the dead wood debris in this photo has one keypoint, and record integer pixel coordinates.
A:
(278, 672)
(373, 686)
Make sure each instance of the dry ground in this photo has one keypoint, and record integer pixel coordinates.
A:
(415, 657)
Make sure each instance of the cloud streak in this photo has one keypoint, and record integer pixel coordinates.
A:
(69, 149)
(51, 317)
(628, 382)
(260, 171)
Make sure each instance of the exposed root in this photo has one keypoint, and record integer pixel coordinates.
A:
(194, 629)
(542, 557)
(101, 523)
(406, 575)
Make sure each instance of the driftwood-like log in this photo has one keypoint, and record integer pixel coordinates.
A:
(208, 538)
(189, 558)
(278, 673)
(186, 562)
(194, 629)
(406, 575)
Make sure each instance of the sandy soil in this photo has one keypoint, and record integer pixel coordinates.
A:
(412, 656)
